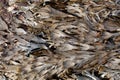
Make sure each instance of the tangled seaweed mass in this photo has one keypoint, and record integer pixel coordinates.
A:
(59, 39)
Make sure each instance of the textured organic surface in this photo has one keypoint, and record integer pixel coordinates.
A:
(59, 39)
